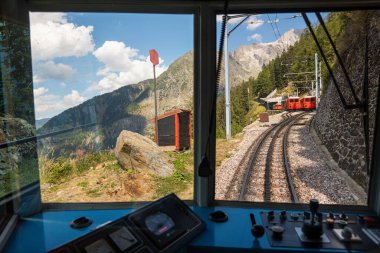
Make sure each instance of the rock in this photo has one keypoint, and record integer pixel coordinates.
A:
(134, 151)
(12, 129)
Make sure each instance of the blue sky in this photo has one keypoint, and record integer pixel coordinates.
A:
(259, 29)
(77, 56)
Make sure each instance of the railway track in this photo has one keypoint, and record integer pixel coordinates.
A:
(264, 173)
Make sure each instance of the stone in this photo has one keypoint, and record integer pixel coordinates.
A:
(12, 129)
(134, 151)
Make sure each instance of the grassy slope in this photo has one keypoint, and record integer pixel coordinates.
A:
(98, 178)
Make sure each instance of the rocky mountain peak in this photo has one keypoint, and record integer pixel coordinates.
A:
(252, 57)
(289, 38)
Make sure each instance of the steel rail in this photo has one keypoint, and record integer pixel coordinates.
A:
(254, 155)
(267, 183)
(293, 193)
(240, 166)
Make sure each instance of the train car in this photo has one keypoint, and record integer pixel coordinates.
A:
(277, 107)
(308, 103)
(293, 103)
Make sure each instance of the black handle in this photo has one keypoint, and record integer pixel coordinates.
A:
(253, 220)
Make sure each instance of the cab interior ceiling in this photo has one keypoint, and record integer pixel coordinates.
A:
(199, 8)
(184, 6)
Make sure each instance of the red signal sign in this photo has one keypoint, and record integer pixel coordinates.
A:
(153, 55)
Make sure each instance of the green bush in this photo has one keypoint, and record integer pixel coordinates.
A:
(55, 171)
(58, 171)
(254, 112)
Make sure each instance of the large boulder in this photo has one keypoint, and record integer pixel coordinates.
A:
(134, 151)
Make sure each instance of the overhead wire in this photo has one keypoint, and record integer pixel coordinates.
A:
(271, 24)
(275, 23)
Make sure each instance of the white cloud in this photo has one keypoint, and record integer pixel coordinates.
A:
(253, 23)
(255, 37)
(49, 105)
(46, 105)
(53, 36)
(40, 91)
(123, 65)
(37, 79)
(51, 70)
(233, 21)
(115, 55)
(73, 99)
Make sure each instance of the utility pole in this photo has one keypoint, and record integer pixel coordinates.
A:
(316, 81)
(320, 77)
(227, 84)
(153, 55)
(226, 78)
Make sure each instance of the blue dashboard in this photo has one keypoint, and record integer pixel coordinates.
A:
(48, 230)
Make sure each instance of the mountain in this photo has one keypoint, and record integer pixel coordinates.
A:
(132, 107)
(112, 112)
(248, 60)
(128, 108)
(41, 122)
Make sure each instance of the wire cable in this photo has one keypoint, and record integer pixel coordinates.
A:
(204, 169)
(270, 22)
(275, 23)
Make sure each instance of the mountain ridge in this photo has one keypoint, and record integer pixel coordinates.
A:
(254, 56)
(131, 107)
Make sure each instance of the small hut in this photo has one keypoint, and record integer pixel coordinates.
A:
(174, 129)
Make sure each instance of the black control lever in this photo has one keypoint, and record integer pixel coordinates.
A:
(256, 230)
(314, 205)
(313, 228)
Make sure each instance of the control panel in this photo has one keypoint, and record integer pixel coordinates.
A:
(162, 226)
(323, 230)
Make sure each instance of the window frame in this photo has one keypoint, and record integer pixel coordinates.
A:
(137, 8)
(373, 202)
(205, 63)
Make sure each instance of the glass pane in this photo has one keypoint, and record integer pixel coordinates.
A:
(18, 163)
(272, 57)
(94, 89)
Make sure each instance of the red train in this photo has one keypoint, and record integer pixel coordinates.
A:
(308, 103)
(291, 103)
(296, 103)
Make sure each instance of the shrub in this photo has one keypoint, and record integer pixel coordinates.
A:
(57, 171)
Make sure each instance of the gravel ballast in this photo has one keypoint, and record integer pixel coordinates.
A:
(313, 176)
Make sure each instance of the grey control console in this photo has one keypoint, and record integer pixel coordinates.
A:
(165, 225)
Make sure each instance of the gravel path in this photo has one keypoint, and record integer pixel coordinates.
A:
(312, 175)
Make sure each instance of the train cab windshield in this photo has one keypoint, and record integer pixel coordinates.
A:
(312, 154)
(223, 103)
